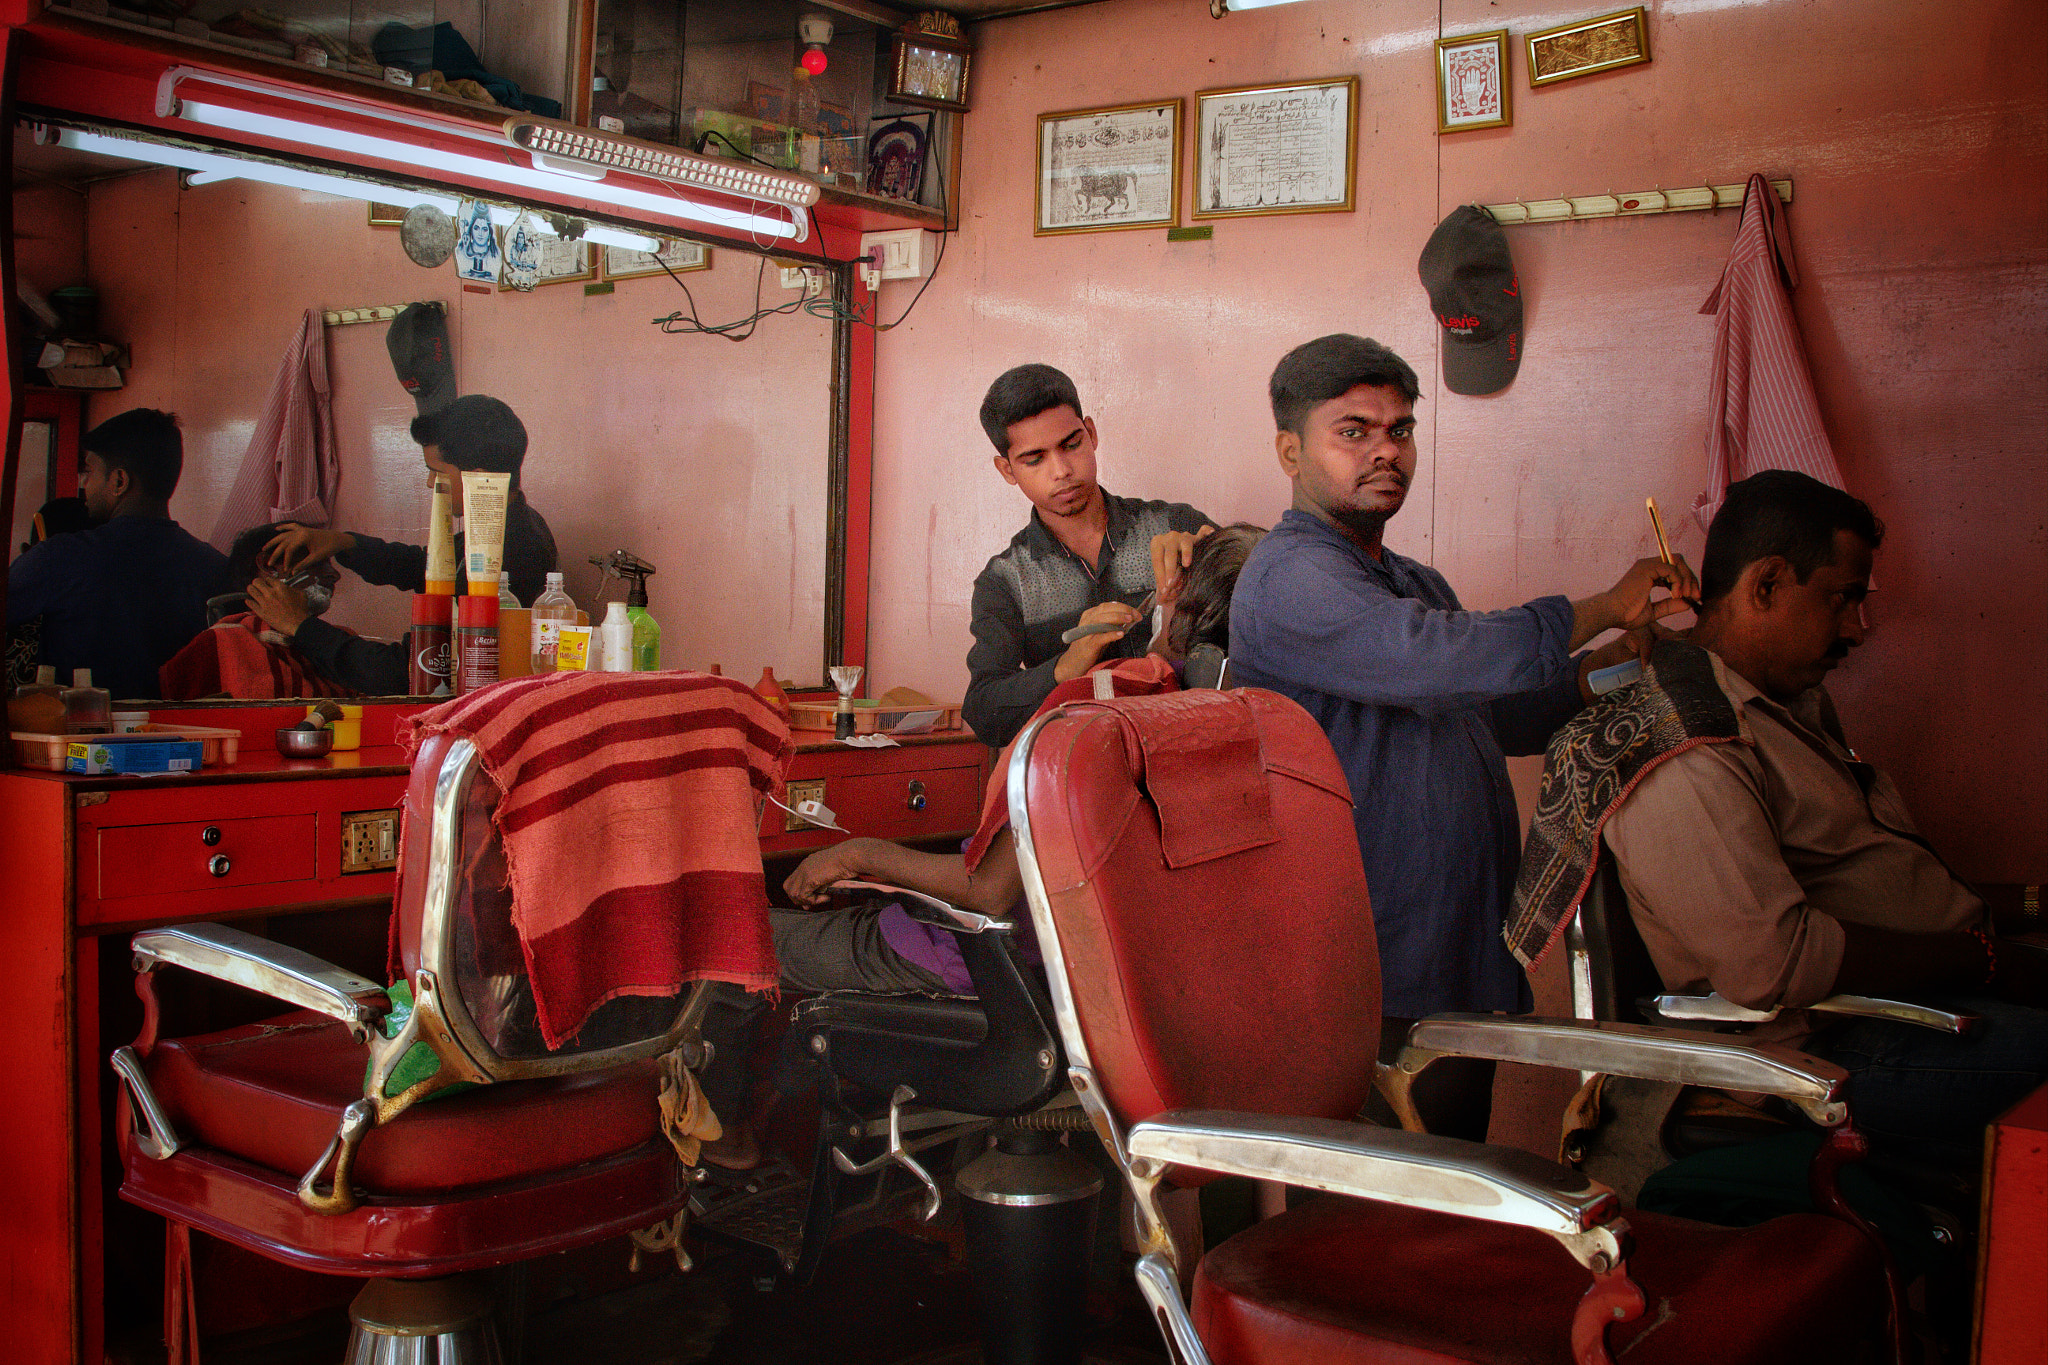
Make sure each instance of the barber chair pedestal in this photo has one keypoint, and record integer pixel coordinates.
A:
(423, 1322)
(1029, 1206)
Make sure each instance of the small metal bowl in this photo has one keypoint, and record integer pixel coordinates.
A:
(293, 743)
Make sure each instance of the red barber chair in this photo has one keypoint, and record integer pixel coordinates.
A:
(306, 1138)
(1192, 872)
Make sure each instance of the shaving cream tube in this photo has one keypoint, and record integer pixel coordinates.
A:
(483, 528)
(441, 543)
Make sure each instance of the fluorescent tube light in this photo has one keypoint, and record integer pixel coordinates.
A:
(499, 172)
(207, 166)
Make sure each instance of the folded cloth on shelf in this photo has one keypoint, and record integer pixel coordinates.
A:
(241, 656)
(629, 812)
(1594, 762)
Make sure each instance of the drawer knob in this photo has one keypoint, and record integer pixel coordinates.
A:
(916, 799)
(218, 864)
(210, 835)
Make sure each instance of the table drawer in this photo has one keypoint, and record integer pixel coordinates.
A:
(908, 805)
(167, 859)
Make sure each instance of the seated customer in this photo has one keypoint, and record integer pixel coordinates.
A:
(1762, 859)
(122, 598)
(477, 433)
(266, 638)
(875, 946)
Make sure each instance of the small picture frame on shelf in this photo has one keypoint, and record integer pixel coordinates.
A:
(1580, 49)
(624, 263)
(897, 150)
(1472, 82)
(930, 62)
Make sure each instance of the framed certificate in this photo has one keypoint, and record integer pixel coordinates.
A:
(1472, 82)
(1276, 149)
(624, 263)
(1104, 169)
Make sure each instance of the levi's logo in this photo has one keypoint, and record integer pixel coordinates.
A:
(1514, 289)
(1458, 324)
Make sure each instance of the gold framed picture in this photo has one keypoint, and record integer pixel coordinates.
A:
(1289, 148)
(386, 215)
(1580, 49)
(1102, 170)
(624, 263)
(1472, 82)
(930, 64)
(543, 260)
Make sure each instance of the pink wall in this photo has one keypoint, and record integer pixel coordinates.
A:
(1913, 132)
(705, 457)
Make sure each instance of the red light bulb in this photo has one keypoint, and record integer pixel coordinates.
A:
(813, 61)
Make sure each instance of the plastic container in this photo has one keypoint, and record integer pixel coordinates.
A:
(552, 610)
(218, 747)
(476, 643)
(88, 710)
(37, 707)
(127, 722)
(771, 692)
(431, 670)
(616, 639)
(348, 731)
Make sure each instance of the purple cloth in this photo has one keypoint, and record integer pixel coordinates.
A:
(938, 950)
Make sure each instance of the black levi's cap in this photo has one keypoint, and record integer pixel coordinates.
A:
(418, 342)
(1477, 300)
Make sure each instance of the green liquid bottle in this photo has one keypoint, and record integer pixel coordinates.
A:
(646, 630)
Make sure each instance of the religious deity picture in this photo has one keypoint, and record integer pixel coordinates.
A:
(476, 246)
(1472, 82)
(522, 253)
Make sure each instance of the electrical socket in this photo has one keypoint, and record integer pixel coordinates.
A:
(369, 841)
(803, 277)
(800, 794)
(906, 253)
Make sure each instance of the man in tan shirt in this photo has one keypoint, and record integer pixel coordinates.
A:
(1778, 869)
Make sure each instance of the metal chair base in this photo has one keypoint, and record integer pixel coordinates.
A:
(424, 1322)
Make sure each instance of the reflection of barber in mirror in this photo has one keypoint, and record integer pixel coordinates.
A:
(873, 944)
(474, 432)
(124, 596)
(266, 638)
(1087, 558)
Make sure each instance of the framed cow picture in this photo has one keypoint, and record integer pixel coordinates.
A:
(1105, 169)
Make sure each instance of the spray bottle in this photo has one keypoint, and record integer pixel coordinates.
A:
(646, 631)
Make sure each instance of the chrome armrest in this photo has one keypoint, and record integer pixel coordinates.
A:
(1689, 1058)
(268, 968)
(1415, 1170)
(931, 910)
(1714, 1009)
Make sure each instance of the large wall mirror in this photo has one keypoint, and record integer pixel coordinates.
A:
(710, 454)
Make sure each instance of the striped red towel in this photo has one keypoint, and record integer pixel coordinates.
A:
(243, 657)
(630, 813)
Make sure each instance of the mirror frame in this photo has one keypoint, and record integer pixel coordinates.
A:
(73, 69)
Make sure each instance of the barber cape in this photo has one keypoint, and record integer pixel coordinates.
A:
(245, 658)
(1593, 764)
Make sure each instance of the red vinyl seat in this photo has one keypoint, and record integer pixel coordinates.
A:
(1194, 880)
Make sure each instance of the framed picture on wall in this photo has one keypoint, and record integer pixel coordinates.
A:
(1105, 169)
(1276, 149)
(386, 215)
(1472, 82)
(624, 263)
(556, 260)
(1590, 45)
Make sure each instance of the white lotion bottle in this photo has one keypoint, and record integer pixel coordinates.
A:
(616, 639)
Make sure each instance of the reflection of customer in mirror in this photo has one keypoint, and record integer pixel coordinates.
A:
(475, 433)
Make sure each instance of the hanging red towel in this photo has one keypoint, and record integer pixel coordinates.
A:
(292, 467)
(1761, 405)
(630, 815)
(232, 656)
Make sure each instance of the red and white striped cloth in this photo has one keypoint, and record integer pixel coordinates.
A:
(234, 656)
(1762, 409)
(629, 811)
(292, 467)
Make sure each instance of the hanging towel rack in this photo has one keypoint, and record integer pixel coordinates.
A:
(383, 312)
(1633, 205)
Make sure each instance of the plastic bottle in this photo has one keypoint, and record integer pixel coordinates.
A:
(552, 610)
(646, 630)
(508, 600)
(88, 710)
(617, 634)
(771, 692)
(38, 707)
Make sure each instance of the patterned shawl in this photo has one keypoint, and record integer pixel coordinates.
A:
(1594, 762)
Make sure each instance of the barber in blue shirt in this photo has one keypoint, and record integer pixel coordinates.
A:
(1420, 698)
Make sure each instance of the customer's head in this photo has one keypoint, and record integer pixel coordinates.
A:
(246, 564)
(1783, 579)
(131, 464)
(474, 432)
(1200, 614)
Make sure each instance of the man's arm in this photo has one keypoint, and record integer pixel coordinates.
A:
(372, 667)
(1320, 624)
(1003, 692)
(993, 888)
(386, 563)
